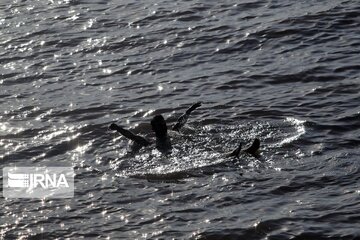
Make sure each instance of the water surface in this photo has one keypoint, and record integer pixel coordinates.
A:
(284, 71)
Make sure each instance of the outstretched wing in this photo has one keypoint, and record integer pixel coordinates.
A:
(128, 134)
(236, 152)
(183, 118)
(254, 148)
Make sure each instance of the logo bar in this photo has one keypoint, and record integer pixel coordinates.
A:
(38, 182)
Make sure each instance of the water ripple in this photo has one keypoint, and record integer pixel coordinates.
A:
(285, 72)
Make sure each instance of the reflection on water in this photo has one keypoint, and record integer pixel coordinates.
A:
(198, 147)
(299, 130)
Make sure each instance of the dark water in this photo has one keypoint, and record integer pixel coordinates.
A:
(287, 72)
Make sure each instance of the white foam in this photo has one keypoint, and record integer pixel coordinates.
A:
(299, 130)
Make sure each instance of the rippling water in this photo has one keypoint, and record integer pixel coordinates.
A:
(284, 71)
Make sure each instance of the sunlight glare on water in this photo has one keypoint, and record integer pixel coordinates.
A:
(284, 72)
